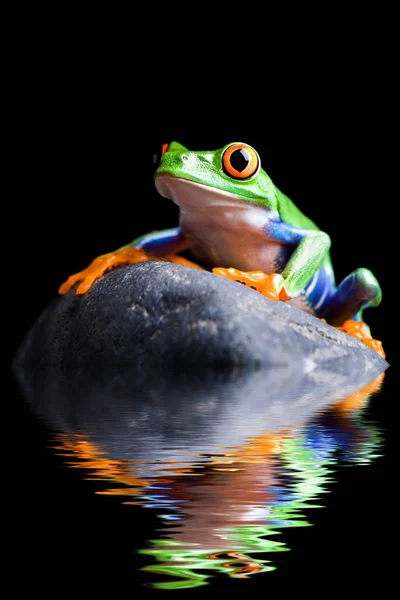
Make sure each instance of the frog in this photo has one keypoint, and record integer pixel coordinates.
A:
(236, 223)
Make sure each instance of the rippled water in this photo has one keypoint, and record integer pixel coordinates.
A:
(222, 511)
(227, 461)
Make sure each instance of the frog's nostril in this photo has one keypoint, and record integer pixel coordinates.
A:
(173, 159)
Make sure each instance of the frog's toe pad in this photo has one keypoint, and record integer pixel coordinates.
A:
(359, 330)
(99, 266)
(270, 286)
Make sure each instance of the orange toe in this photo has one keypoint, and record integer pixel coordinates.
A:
(359, 330)
(268, 285)
(99, 266)
(105, 262)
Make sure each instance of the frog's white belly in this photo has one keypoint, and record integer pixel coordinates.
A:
(224, 231)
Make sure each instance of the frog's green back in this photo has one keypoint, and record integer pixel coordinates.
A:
(289, 213)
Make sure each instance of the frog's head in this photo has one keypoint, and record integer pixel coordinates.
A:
(188, 177)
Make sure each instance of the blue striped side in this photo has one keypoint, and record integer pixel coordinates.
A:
(320, 289)
(159, 242)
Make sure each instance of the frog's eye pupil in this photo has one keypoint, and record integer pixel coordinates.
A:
(240, 159)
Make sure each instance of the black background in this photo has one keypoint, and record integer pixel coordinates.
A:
(83, 181)
(85, 124)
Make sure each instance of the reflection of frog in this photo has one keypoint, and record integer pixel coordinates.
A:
(219, 505)
(234, 219)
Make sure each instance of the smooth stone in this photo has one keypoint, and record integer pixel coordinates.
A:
(160, 315)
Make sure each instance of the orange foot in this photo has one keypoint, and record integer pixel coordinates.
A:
(359, 330)
(268, 285)
(105, 262)
(100, 265)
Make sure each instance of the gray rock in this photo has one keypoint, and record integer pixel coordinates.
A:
(159, 315)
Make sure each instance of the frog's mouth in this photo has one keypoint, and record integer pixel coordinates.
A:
(193, 195)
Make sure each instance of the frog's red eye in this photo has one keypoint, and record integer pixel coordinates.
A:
(157, 155)
(240, 161)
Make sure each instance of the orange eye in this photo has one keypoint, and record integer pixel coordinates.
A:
(240, 161)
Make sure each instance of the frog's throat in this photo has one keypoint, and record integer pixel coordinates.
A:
(191, 194)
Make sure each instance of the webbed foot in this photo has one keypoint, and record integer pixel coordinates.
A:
(270, 286)
(105, 262)
(360, 330)
(99, 266)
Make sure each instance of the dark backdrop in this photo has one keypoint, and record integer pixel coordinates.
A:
(83, 181)
(81, 171)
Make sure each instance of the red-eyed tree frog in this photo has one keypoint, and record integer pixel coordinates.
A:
(235, 221)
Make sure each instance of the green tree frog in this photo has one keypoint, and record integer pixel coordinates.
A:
(237, 223)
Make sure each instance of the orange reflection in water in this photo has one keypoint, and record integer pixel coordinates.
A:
(360, 398)
(93, 459)
(100, 466)
(230, 489)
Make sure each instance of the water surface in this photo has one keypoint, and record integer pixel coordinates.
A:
(225, 462)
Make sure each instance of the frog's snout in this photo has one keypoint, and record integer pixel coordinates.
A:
(171, 162)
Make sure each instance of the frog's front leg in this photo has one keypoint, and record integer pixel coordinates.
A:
(310, 252)
(146, 247)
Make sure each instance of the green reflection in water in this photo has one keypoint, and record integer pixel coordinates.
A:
(186, 565)
(218, 515)
(304, 467)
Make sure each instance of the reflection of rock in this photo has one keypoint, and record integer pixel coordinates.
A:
(226, 457)
(137, 416)
(157, 314)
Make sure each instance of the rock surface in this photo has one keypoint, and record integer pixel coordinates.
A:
(163, 315)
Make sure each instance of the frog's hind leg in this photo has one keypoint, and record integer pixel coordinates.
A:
(357, 291)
